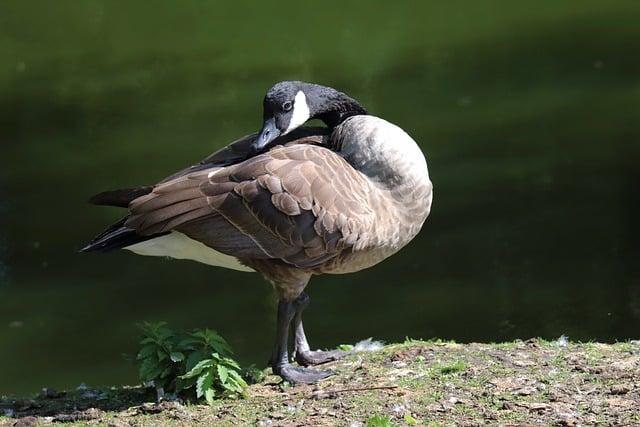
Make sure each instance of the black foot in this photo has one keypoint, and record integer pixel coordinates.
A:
(318, 357)
(301, 375)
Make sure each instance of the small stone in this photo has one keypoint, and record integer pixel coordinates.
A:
(323, 394)
(507, 406)
(525, 391)
(508, 383)
(86, 415)
(618, 402)
(118, 423)
(532, 342)
(620, 389)
(26, 422)
(434, 407)
(523, 363)
(538, 406)
(150, 408)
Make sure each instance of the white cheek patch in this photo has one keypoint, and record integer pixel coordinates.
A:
(300, 112)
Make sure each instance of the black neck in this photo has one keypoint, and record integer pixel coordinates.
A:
(331, 106)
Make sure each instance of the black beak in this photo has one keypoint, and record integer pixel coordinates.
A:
(268, 133)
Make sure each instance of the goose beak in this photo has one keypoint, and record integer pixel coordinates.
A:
(268, 133)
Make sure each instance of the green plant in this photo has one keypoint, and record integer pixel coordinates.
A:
(452, 367)
(379, 421)
(216, 376)
(159, 355)
(177, 362)
(410, 420)
(254, 375)
(345, 347)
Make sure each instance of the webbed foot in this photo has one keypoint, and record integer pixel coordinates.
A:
(300, 374)
(318, 357)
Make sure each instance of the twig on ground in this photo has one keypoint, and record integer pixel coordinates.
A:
(322, 393)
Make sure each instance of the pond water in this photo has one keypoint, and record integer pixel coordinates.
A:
(528, 113)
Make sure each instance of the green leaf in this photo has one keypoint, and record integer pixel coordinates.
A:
(188, 343)
(199, 334)
(211, 341)
(152, 326)
(194, 358)
(230, 362)
(155, 373)
(410, 420)
(146, 351)
(161, 355)
(378, 421)
(236, 382)
(220, 346)
(237, 377)
(177, 356)
(210, 395)
(223, 373)
(204, 383)
(164, 333)
(201, 366)
(146, 369)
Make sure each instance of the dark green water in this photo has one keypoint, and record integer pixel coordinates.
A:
(529, 113)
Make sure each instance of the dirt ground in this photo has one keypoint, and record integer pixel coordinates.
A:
(415, 383)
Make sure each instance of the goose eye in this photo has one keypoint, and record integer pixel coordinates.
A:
(287, 106)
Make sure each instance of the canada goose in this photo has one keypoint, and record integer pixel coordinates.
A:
(288, 202)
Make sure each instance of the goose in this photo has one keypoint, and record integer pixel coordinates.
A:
(289, 202)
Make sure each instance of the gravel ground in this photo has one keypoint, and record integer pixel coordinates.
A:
(534, 382)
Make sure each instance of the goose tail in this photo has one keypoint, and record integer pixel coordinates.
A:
(117, 236)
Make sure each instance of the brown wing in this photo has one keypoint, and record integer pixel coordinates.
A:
(302, 204)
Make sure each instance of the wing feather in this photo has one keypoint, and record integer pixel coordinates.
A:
(301, 204)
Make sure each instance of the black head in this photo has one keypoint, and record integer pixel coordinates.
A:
(289, 104)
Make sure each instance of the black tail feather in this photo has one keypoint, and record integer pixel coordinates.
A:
(120, 198)
(117, 236)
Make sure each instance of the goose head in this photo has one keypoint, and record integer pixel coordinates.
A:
(289, 104)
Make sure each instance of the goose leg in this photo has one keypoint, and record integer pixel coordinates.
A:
(303, 353)
(280, 358)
